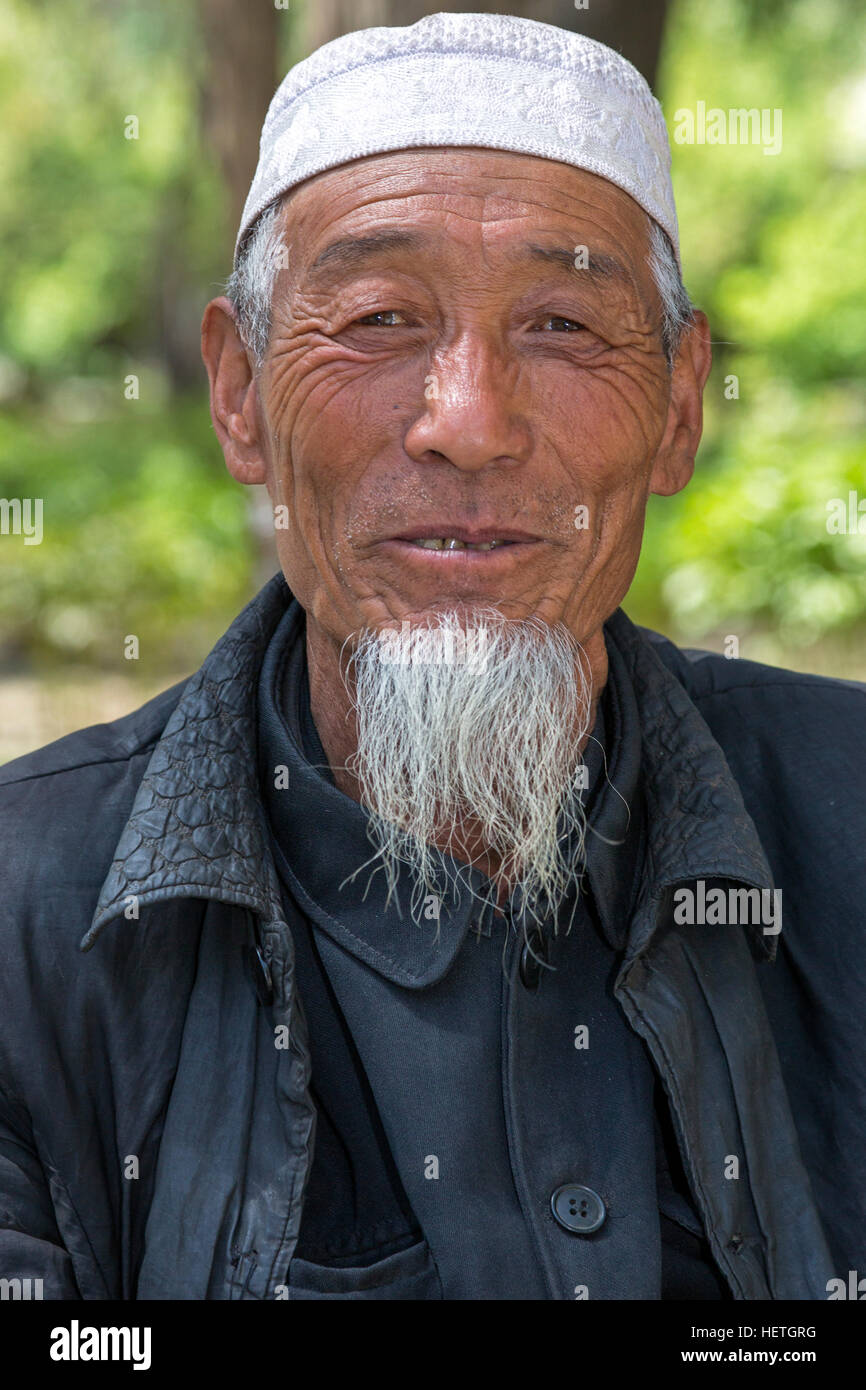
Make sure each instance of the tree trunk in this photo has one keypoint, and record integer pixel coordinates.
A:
(635, 30)
(241, 41)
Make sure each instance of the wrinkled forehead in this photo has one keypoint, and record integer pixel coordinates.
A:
(423, 202)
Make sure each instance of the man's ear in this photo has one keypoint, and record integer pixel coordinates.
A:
(233, 393)
(675, 459)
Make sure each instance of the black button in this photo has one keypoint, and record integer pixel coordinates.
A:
(534, 952)
(578, 1209)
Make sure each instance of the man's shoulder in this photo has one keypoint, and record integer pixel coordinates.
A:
(791, 739)
(713, 680)
(96, 746)
(63, 806)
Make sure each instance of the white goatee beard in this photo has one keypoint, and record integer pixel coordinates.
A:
(477, 719)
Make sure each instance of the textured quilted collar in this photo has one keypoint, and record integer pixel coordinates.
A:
(198, 828)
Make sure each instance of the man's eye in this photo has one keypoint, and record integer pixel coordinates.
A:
(387, 318)
(560, 325)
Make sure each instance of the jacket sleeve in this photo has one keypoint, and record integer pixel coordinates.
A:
(30, 1244)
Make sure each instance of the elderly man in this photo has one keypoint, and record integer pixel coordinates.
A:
(446, 936)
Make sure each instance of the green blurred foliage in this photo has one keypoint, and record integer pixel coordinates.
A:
(141, 536)
(90, 218)
(112, 247)
(774, 251)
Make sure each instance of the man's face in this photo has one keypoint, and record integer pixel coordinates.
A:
(442, 364)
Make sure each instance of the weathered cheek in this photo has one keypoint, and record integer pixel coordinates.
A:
(284, 376)
(632, 408)
(301, 375)
(330, 427)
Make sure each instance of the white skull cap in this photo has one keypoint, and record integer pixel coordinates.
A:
(487, 80)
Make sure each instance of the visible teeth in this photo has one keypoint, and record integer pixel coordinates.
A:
(452, 543)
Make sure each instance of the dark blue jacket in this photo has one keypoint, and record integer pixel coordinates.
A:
(154, 1143)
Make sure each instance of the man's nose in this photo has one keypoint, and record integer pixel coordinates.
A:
(472, 416)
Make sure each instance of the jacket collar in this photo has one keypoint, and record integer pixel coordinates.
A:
(198, 827)
(697, 823)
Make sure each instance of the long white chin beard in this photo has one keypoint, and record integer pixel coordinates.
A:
(475, 718)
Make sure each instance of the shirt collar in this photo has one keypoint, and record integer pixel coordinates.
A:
(321, 841)
(616, 835)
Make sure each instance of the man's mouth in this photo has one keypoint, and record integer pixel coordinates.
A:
(451, 537)
(467, 554)
(453, 543)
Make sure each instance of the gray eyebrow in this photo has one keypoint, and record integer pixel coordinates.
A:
(600, 266)
(351, 252)
(354, 252)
